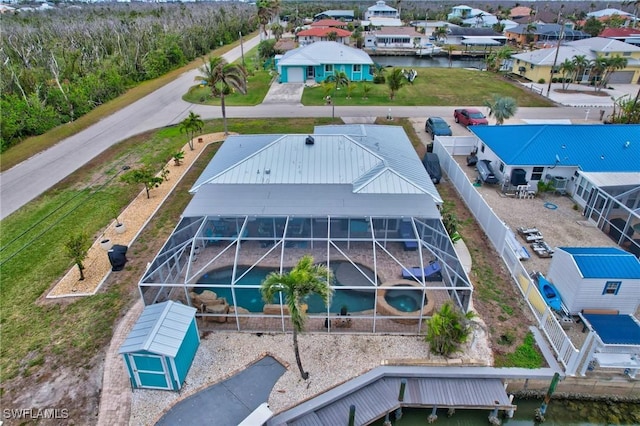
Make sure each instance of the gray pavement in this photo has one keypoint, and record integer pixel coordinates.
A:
(164, 107)
(229, 402)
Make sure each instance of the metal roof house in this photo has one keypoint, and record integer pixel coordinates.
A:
(317, 61)
(381, 10)
(597, 165)
(346, 15)
(596, 278)
(355, 197)
(161, 346)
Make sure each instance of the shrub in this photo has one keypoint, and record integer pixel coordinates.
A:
(447, 329)
(379, 79)
(541, 81)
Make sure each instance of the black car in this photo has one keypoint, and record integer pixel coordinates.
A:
(437, 126)
(432, 164)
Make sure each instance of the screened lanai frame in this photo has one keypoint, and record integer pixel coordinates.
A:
(243, 243)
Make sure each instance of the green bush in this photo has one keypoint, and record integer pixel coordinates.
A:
(379, 79)
(541, 81)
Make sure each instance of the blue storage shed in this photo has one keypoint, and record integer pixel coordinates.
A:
(160, 349)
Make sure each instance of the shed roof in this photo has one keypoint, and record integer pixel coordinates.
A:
(615, 329)
(160, 329)
(604, 262)
(325, 52)
(590, 147)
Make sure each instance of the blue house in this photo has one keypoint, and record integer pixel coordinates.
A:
(321, 59)
(161, 346)
(606, 278)
(596, 164)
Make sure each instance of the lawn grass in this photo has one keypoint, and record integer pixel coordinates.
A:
(258, 83)
(433, 87)
(32, 256)
(525, 356)
(33, 145)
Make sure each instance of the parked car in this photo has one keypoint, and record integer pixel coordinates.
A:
(436, 126)
(469, 117)
(432, 164)
(486, 172)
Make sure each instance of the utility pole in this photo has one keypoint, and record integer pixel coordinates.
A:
(555, 59)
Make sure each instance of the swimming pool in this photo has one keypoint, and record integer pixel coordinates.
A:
(404, 300)
(251, 299)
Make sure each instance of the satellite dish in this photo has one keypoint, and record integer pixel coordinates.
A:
(557, 159)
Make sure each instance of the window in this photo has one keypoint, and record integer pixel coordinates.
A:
(501, 166)
(612, 287)
(482, 147)
(626, 53)
(357, 68)
(537, 173)
(328, 68)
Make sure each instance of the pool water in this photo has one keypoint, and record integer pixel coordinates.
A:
(404, 300)
(251, 299)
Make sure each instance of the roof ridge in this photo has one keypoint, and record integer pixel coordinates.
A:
(156, 327)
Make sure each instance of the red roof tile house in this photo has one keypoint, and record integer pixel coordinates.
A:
(315, 34)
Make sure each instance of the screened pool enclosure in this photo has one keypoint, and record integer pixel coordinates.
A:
(393, 263)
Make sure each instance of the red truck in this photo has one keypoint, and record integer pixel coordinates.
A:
(469, 117)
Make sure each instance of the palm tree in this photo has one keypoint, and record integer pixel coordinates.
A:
(267, 9)
(568, 69)
(529, 31)
(581, 63)
(221, 77)
(598, 67)
(440, 34)
(191, 124)
(277, 30)
(339, 79)
(501, 108)
(303, 280)
(332, 36)
(447, 329)
(613, 64)
(395, 81)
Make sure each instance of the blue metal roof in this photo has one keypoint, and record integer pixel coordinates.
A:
(604, 262)
(615, 329)
(160, 329)
(591, 147)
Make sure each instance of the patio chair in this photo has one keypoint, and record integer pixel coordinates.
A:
(430, 273)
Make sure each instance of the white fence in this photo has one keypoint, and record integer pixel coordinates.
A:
(496, 231)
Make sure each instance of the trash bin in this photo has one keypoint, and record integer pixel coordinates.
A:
(117, 257)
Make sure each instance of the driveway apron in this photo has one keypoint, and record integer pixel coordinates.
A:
(284, 93)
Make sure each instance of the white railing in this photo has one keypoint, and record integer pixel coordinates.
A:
(496, 231)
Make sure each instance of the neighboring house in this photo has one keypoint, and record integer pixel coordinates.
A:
(321, 59)
(626, 35)
(520, 12)
(488, 21)
(381, 10)
(597, 165)
(596, 278)
(536, 65)
(458, 35)
(346, 15)
(606, 14)
(356, 197)
(329, 23)
(398, 39)
(543, 33)
(464, 12)
(316, 34)
(539, 17)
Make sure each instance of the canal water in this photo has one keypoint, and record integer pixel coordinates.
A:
(428, 62)
(559, 413)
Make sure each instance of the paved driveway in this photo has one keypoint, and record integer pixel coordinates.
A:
(284, 93)
(229, 402)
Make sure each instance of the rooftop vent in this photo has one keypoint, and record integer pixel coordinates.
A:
(309, 140)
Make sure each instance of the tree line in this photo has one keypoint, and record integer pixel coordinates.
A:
(60, 64)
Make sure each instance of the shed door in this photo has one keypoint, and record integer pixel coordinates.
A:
(621, 77)
(295, 75)
(150, 371)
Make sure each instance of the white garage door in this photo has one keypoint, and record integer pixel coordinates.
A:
(295, 75)
(621, 77)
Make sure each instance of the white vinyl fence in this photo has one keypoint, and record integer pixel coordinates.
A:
(496, 231)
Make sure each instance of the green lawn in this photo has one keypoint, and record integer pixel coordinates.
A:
(433, 87)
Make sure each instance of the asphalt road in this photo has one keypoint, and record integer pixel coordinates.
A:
(164, 107)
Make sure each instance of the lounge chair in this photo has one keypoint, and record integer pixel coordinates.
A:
(406, 231)
(430, 273)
